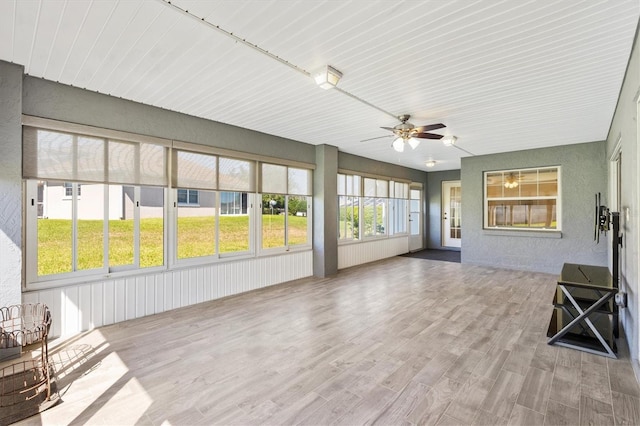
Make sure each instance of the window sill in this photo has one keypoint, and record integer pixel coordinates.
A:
(501, 232)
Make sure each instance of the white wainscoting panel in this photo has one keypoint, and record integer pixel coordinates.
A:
(369, 251)
(80, 307)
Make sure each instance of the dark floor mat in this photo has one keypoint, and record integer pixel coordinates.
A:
(443, 255)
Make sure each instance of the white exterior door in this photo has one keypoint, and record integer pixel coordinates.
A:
(451, 214)
(415, 220)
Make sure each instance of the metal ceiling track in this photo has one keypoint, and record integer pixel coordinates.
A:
(265, 52)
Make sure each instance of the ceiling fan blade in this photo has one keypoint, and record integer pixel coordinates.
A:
(391, 129)
(428, 136)
(377, 137)
(430, 127)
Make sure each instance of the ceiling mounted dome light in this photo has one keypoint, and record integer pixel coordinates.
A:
(430, 163)
(327, 77)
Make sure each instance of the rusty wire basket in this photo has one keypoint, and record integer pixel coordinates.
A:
(25, 325)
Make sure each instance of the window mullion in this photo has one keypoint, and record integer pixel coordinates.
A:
(286, 222)
(136, 227)
(74, 227)
(105, 227)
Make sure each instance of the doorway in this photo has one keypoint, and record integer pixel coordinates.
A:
(415, 219)
(451, 214)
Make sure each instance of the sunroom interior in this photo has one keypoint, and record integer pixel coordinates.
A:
(233, 244)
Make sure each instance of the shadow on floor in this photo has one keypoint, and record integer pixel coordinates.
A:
(443, 255)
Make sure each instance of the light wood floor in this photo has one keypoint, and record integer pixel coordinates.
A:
(402, 341)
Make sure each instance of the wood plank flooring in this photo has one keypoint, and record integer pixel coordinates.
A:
(401, 341)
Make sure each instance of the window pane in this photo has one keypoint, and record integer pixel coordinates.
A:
(197, 227)
(54, 155)
(182, 196)
(274, 179)
(153, 164)
(348, 218)
(381, 216)
(273, 219)
(90, 159)
(369, 216)
(297, 221)
(342, 184)
(540, 214)
(90, 241)
(193, 196)
(151, 226)
(122, 162)
(195, 170)
(357, 186)
(528, 183)
(234, 222)
(399, 219)
(299, 181)
(236, 174)
(55, 232)
(494, 185)
(369, 187)
(548, 182)
(382, 188)
(121, 211)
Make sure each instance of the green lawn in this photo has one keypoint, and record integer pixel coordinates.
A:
(196, 237)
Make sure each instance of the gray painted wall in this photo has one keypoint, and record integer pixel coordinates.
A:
(434, 206)
(356, 163)
(43, 98)
(583, 173)
(624, 129)
(10, 183)
(325, 212)
(10, 190)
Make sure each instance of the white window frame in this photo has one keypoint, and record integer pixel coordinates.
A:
(35, 281)
(557, 198)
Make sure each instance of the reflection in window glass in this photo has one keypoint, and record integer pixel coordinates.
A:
(197, 227)
(522, 199)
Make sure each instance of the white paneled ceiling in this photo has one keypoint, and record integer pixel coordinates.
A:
(501, 75)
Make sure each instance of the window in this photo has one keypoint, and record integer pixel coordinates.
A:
(68, 189)
(375, 208)
(286, 207)
(114, 225)
(349, 191)
(119, 225)
(398, 207)
(213, 217)
(188, 197)
(526, 199)
(380, 205)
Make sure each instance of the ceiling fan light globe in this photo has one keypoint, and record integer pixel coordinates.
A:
(398, 145)
(449, 140)
(413, 142)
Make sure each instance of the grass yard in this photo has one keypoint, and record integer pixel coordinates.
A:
(196, 237)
